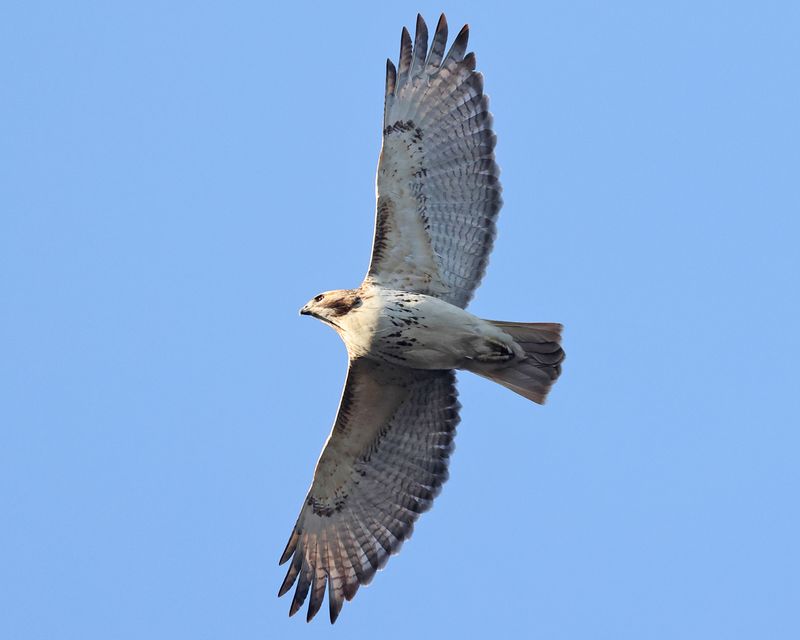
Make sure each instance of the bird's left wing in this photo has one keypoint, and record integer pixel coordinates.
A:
(383, 463)
(438, 187)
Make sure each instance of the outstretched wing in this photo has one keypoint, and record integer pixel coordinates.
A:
(384, 462)
(437, 186)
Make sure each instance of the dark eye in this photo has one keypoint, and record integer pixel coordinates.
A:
(357, 302)
(318, 298)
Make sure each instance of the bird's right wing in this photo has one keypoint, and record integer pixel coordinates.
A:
(383, 463)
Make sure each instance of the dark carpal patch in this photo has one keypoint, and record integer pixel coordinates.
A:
(402, 127)
(326, 507)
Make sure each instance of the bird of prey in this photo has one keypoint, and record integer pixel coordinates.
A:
(406, 329)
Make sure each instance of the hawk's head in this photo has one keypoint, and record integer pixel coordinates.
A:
(332, 306)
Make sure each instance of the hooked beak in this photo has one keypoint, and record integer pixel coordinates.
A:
(306, 311)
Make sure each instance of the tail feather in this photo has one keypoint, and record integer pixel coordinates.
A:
(533, 376)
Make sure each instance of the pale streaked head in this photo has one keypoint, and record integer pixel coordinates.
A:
(331, 306)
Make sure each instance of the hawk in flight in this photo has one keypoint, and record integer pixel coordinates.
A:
(405, 327)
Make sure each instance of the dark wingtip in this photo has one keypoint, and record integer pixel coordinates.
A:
(459, 46)
(391, 77)
(441, 25)
(317, 595)
(463, 36)
(420, 29)
(335, 601)
(335, 610)
(470, 62)
(312, 610)
(404, 61)
(439, 42)
(350, 590)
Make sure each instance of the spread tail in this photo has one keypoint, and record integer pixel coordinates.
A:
(533, 375)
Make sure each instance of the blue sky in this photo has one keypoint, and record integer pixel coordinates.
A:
(176, 181)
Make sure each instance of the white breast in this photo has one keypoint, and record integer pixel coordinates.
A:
(423, 332)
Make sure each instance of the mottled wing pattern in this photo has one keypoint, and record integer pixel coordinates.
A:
(437, 186)
(384, 462)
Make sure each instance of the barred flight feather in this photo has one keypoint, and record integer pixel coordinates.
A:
(363, 503)
(437, 173)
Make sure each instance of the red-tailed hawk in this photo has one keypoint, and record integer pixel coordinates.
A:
(406, 329)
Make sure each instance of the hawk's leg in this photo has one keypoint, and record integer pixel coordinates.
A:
(493, 352)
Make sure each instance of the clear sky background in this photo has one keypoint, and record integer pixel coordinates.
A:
(177, 179)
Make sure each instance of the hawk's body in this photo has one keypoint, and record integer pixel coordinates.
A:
(415, 330)
(406, 329)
